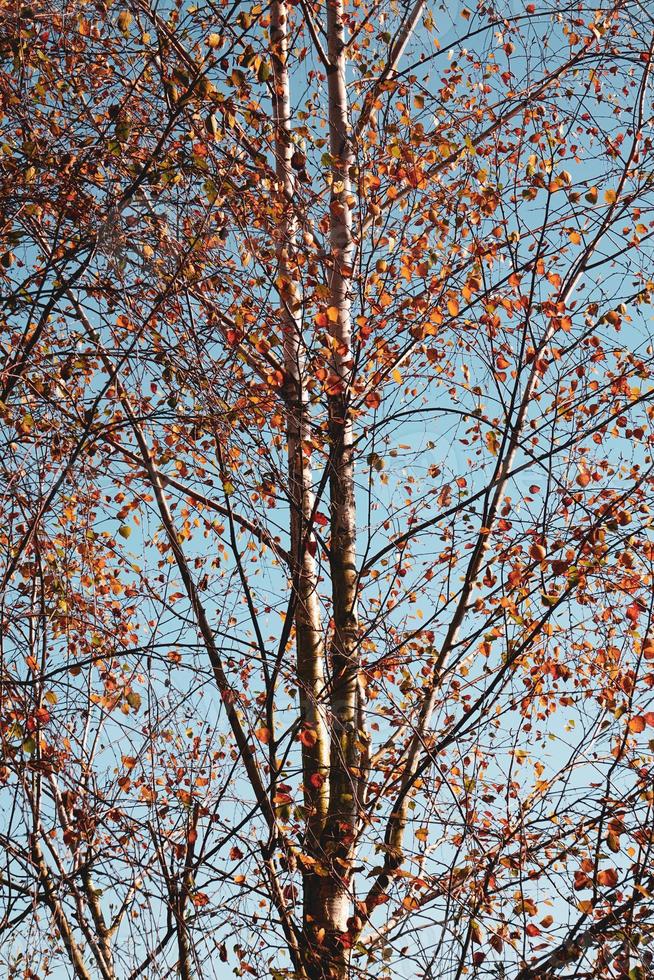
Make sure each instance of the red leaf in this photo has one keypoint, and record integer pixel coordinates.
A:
(608, 878)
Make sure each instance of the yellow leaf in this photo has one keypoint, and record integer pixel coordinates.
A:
(124, 20)
(575, 237)
(610, 197)
(491, 442)
(395, 374)
(332, 314)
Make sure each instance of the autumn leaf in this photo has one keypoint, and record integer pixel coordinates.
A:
(133, 699)
(607, 878)
(124, 20)
(491, 442)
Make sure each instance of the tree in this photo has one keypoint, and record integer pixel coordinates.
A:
(327, 487)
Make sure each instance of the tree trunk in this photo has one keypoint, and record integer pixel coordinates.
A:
(308, 631)
(329, 897)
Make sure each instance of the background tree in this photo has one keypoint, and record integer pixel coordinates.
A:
(327, 487)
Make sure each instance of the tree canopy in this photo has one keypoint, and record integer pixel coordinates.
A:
(326, 490)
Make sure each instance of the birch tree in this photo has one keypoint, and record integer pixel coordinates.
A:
(327, 490)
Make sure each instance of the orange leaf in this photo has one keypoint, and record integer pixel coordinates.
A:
(608, 878)
(453, 307)
(637, 724)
